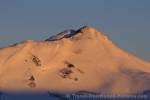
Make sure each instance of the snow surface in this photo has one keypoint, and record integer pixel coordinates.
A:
(73, 61)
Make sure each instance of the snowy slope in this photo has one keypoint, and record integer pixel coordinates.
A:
(72, 61)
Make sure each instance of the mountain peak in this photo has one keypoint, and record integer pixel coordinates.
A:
(85, 30)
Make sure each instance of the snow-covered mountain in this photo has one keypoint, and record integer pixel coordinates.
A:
(70, 62)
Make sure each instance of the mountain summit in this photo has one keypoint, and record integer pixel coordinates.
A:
(86, 30)
(70, 62)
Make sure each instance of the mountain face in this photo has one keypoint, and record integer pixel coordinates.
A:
(71, 62)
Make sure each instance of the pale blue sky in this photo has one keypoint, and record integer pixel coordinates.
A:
(126, 22)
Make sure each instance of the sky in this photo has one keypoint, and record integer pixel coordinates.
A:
(125, 22)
